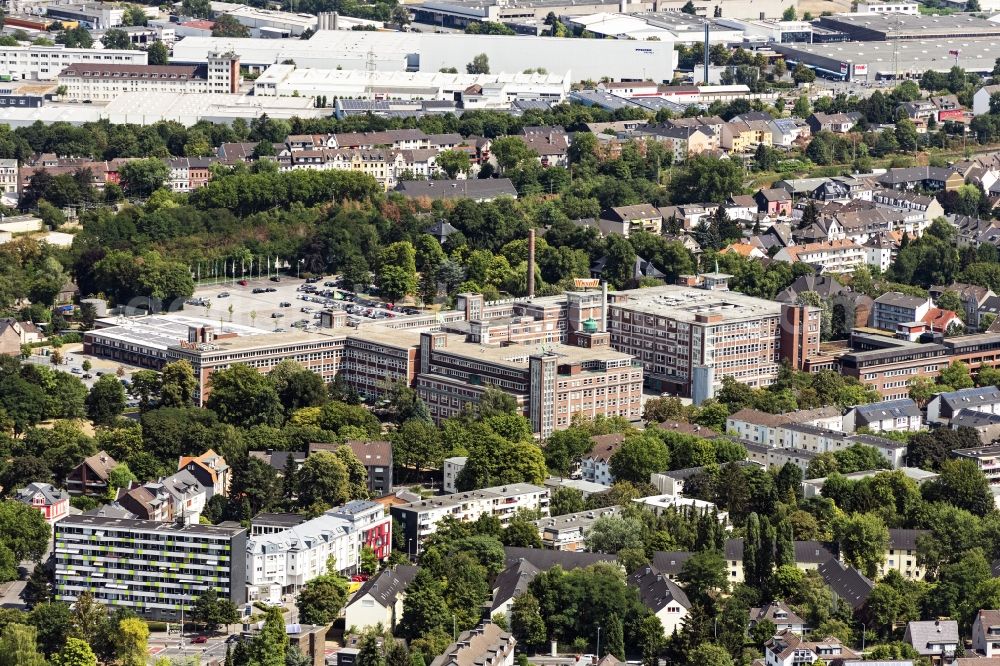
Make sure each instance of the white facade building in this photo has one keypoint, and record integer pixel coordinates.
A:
(292, 558)
(107, 82)
(44, 63)
(452, 467)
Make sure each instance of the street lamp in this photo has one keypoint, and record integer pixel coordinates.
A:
(598, 642)
(864, 628)
(180, 642)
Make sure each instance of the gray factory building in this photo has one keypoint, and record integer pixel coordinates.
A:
(872, 61)
(884, 27)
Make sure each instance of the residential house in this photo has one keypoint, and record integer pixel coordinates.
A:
(901, 554)
(840, 123)
(376, 456)
(942, 321)
(595, 465)
(776, 202)
(622, 220)
(211, 471)
(509, 584)
(741, 207)
(486, 645)
(51, 502)
(662, 596)
(944, 406)
(831, 190)
(839, 256)
(551, 144)
(901, 415)
(743, 136)
(973, 298)
(15, 333)
(923, 177)
(686, 216)
(928, 207)
(892, 308)
(785, 132)
(682, 142)
(778, 613)
(987, 426)
(986, 458)
(846, 582)
(569, 531)
(90, 477)
(379, 602)
(949, 109)
(920, 111)
(986, 633)
(746, 249)
(178, 497)
(981, 100)
(880, 252)
(789, 649)
(752, 425)
(936, 639)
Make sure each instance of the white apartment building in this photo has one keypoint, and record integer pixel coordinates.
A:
(9, 181)
(452, 467)
(887, 8)
(287, 560)
(43, 63)
(986, 633)
(595, 466)
(987, 458)
(420, 519)
(837, 256)
(106, 82)
(148, 567)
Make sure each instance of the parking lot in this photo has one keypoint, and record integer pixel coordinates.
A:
(279, 305)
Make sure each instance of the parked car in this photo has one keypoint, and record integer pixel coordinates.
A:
(242, 283)
(285, 304)
(276, 315)
(77, 371)
(275, 278)
(224, 294)
(200, 639)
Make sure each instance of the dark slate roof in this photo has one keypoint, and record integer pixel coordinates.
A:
(470, 188)
(812, 552)
(656, 590)
(904, 539)
(51, 494)
(926, 635)
(970, 418)
(964, 398)
(887, 409)
(512, 581)
(770, 612)
(545, 559)
(669, 563)
(387, 585)
(846, 582)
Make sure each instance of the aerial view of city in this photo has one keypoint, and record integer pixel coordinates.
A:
(500, 332)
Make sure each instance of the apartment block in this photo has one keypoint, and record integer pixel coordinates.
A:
(895, 308)
(283, 561)
(688, 338)
(105, 82)
(987, 459)
(148, 567)
(420, 519)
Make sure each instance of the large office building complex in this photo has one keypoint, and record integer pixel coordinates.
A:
(44, 63)
(688, 339)
(148, 567)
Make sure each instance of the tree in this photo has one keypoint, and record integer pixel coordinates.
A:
(416, 445)
(397, 275)
(270, 646)
(23, 470)
(957, 376)
(526, 622)
(178, 384)
(76, 652)
(962, 484)
(616, 637)
(140, 178)
(228, 26)
(638, 457)
(704, 178)
(135, 16)
(157, 53)
(703, 573)
(453, 162)
(803, 74)
(321, 599)
(863, 539)
(369, 561)
(18, 648)
(23, 530)
(424, 608)
(242, 396)
(133, 636)
(801, 107)
(323, 480)
(116, 38)
(566, 500)
(710, 654)
(214, 611)
(689, 8)
(788, 14)
(611, 534)
(106, 400)
(479, 65)
(510, 151)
